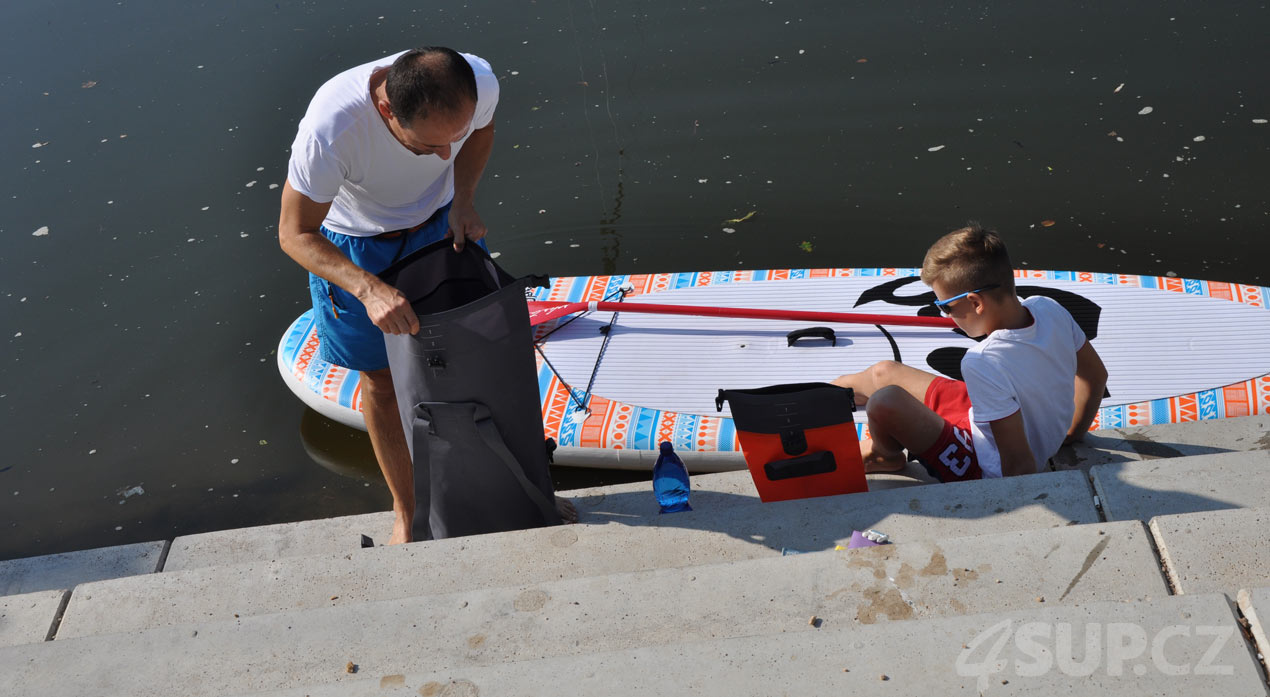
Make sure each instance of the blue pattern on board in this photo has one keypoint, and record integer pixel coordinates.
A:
(685, 434)
(295, 338)
(643, 432)
(1111, 417)
(1209, 407)
(1160, 411)
(571, 424)
(1194, 287)
(727, 434)
(348, 388)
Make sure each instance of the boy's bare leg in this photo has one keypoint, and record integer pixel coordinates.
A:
(897, 421)
(383, 422)
(868, 381)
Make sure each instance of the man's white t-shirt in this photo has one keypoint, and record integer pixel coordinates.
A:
(345, 154)
(1032, 370)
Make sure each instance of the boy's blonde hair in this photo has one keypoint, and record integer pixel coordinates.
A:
(967, 259)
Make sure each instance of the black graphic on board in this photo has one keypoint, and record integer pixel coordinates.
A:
(947, 360)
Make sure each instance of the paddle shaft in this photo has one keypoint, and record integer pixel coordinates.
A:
(541, 311)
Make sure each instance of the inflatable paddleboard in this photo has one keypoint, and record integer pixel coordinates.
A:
(1176, 349)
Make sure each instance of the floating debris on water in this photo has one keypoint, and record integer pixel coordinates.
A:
(1118, 88)
(206, 207)
(42, 232)
(39, 145)
(1198, 139)
(273, 186)
(1259, 121)
(937, 148)
(548, 242)
(495, 255)
(805, 246)
(729, 230)
(1145, 110)
(1047, 223)
(128, 492)
(702, 181)
(89, 84)
(250, 183)
(742, 219)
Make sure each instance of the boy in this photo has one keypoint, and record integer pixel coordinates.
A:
(1032, 385)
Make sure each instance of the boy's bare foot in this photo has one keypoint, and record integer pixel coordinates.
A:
(876, 461)
(567, 512)
(402, 531)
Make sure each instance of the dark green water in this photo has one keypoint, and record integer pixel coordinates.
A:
(137, 335)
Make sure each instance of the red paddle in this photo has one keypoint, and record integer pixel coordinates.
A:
(542, 311)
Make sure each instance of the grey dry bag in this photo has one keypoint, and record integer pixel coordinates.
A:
(467, 389)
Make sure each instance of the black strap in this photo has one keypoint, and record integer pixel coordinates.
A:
(489, 434)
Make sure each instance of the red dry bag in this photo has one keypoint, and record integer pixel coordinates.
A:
(799, 440)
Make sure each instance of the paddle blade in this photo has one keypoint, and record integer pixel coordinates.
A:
(541, 311)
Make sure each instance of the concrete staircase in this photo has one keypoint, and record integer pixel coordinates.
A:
(1138, 569)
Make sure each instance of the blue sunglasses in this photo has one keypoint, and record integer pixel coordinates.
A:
(943, 305)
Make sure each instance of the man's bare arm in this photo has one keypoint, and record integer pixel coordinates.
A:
(302, 240)
(1011, 438)
(469, 164)
(1091, 382)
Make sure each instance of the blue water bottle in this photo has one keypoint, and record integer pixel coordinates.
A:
(670, 481)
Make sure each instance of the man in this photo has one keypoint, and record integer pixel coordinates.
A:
(386, 160)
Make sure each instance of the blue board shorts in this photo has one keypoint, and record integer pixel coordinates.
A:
(346, 335)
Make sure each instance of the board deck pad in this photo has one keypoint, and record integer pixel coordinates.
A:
(1176, 349)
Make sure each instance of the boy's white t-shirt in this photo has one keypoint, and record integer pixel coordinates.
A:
(1032, 370)
(344, 153)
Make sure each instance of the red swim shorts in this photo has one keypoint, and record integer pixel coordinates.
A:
(952, 458)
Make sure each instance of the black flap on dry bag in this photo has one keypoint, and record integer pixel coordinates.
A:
(799, 440)
(467, 391)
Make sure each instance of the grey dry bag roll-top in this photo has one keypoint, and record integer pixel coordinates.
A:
(467, 388)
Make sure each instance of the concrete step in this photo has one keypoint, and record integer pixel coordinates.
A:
(1180, 646)
(1146, 489)
(771, 596)
(342, 535)
(532, 556)
(1255, 604)
(1215, 551)
(1131, 443)
(30, 617)
(65, 571)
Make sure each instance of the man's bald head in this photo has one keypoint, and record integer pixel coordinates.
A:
(427, 80)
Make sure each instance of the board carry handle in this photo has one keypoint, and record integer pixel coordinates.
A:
(811, 333)
(544, 311)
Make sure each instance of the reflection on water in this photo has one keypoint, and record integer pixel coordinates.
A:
(340, 449)
(347, 452)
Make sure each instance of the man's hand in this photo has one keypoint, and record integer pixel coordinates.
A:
(465, 225)
(388, 308)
